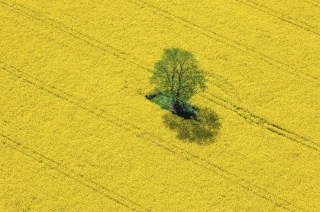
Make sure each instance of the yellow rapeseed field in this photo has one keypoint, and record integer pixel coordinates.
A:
(78, 134)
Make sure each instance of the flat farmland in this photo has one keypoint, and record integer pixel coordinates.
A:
(78, 134)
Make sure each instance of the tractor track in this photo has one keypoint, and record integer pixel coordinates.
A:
(219, 80)
(138, 62)
(99, 112)
(119, 199)
(229, 42)
(206, 32)
(290, 20)
(70, 31)
(151, 138)
(262, 122)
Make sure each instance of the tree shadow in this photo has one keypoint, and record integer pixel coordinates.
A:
(202, 129)
(190, 122)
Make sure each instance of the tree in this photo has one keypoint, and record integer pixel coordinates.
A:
(178, 76)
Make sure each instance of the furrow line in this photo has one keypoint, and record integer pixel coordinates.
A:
(312, 3)
(124, 201)
(263, 123)
(224, 85)
(206, 32)
(258, 191)
(72, 32)
(157, 141)
(108, 48)
(100, 111)
(229, 42)
(128, 58)
(279, 15)
(62, 95)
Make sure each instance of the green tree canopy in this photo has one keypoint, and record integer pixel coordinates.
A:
(178, 76)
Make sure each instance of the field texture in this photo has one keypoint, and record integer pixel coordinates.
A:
(78, 134)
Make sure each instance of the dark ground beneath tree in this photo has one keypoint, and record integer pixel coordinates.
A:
(190, 122)
(182, 109)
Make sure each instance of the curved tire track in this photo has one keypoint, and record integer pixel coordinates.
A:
(149, 137)
(99, 113)
(124, 201)
(262, 123)
(252, 118)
